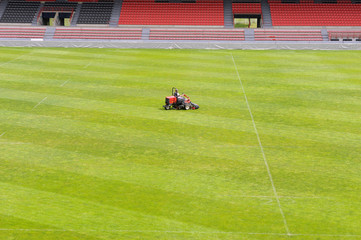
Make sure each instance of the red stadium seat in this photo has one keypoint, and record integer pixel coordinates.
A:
(307, 13)
(246, 8)
(93, 33)
(20, 32)
(149, 12)
(287, 35)
(197, 34)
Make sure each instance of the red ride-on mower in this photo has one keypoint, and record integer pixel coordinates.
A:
(177, 101)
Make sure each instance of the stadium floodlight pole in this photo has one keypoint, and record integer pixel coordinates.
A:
(263, 154)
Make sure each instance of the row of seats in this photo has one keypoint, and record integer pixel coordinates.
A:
(60, 5)
(246, 8)
(95, 13)
(287, 35)
(344, 35)
(312, 14)
(16, 32)
(103, 34)
(186, 34)
(19, 11)
(149, 12)
(177, 34)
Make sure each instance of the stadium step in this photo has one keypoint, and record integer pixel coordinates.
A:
(266, 14)
(3, 5)
(145, 33)
(35, 19)
(249, 34)
(49, 33)
(75, 18)
(324, 34)
(228, 15)
(114, 19)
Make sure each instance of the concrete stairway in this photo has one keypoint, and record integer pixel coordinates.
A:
(49, 33)
(114, 19)
(35, 19)
(324, 34)
(145, 33)
(228, 14)
(3, 5)
(249, 34)
(74, 20)
(266, 14)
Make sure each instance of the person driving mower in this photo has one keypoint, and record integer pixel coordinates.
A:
(177, 101)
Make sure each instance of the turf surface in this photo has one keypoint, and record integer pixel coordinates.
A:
(87, 152)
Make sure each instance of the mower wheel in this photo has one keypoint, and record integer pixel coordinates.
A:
(187, 107)
(166, 107)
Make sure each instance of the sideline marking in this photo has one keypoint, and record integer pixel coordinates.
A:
(2, 134)
(87, 65)
(191, 232)
(13, 60)
(62, 85)
(263, 154)
(291, 197)
(40, 102)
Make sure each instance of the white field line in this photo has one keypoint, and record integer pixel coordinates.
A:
(165, 231)
(39, 103)
(292, 197)
(62, 85)
(87, 65)
(263, 154)
(2, 134)
(12, 60)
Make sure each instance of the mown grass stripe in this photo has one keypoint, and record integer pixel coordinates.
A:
(210, 184)
(116, 91)
(86, 213)
(146, 200)
(144, 111)
(117, 134)
(293, 132)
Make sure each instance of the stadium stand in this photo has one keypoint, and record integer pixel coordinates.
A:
(178, 12)
(287, 35)
(103, 33)
(17, 32)
(308, 13)
(95, 13)
(149, 12)
(19, 11)
(246, 8)
(197, 34)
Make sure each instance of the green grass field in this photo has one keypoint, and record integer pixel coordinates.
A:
(87, 152)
